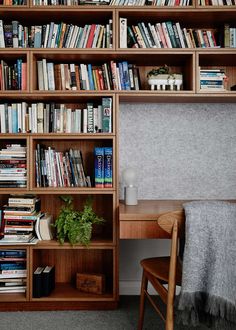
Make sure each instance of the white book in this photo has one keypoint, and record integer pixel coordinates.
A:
(30, 119)
(2, 39)
(34, 118)
(180, 33)
(45, 74)
(85, 121)
(40, 75)
(19, 113)
(51, 78)
(46, 36)
(54, 35)
(2, 118)
(96, 34)
(72, 43)
(9, 110)
(123, 32)
(23, 108)
(40, 108)
(78, 116)
(68, 120)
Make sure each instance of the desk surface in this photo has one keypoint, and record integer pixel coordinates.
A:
(139, 221)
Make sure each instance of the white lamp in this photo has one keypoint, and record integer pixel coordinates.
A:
(130, 190)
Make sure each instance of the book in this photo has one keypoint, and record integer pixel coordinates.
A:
(45, 228)
(107, 115)
(108, 167)
(48, 280)
(38, 282)
(123, 32)
(99, 167)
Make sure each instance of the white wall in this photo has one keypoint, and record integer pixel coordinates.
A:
(179, 151)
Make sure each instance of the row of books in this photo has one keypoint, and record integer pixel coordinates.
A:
(112, 2)
(56, 118)
(103, 167)
(229, 36)
(217, 2)
(108, 76)
(13, 2)
(23, 222)
(59, 169)
(55, 35)
(212, 80)
(13, 171)
(12, 270)
(164, 35)
(13, 76)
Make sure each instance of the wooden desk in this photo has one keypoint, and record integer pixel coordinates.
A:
(139, 221)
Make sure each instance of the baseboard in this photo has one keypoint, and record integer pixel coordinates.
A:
(132, 288)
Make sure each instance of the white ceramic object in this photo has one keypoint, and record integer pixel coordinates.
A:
(161, 81)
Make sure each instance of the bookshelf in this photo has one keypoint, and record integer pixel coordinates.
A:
(102, 254)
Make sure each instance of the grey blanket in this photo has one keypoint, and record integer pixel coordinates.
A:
(208, 292)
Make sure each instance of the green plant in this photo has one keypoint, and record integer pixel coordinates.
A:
(76, 226)
(162, 70)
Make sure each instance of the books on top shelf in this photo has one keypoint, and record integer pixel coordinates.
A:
(13, 2)
(213, 80)
(165, 34)
(13, 171)
(56, 118)
(108, 76)
(12, 270)
(113, 2)
(103, 167)
(55, 35)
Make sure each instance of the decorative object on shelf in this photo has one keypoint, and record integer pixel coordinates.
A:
(76, 226)
(130, 190)
(162, 79)
(91, 283)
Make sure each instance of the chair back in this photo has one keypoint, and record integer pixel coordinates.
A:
(167, 221)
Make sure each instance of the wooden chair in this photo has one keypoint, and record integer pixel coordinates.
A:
(164, 270)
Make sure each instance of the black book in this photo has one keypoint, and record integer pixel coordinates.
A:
(48, 280)
(38, 282)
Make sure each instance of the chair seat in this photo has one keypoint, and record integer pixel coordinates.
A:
(159, 268)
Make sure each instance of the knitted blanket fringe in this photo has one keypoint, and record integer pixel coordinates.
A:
(201, 308)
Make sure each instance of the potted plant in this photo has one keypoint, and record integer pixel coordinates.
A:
(162, 78)
(76, 226)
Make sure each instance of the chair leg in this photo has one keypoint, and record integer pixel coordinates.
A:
(170, 314)
(142, 301)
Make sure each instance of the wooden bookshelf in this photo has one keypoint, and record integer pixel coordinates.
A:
(102, 254)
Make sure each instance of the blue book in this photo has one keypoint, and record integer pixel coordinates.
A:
(108, 167)
(99, 167)
(122, 81)
(14, 118)
(90, 77)
(126, 75)
(19, 74)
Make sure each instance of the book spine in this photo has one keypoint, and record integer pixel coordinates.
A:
(108, 167)
(99, 167)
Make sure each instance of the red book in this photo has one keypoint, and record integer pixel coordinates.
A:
(23, 77)
(91, 36)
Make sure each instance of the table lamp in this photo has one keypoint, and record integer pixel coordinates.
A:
(130, 190)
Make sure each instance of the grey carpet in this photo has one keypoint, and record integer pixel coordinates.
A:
(124, 318)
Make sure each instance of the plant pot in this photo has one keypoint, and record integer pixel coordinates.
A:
(166, 81)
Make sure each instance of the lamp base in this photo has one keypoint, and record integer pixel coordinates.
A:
(131, 194)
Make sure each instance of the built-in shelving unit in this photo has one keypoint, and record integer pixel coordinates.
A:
(102, 254)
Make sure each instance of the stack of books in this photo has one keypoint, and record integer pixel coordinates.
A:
(13, 172)
(19, 218)
(12, 271)
(212, 80)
